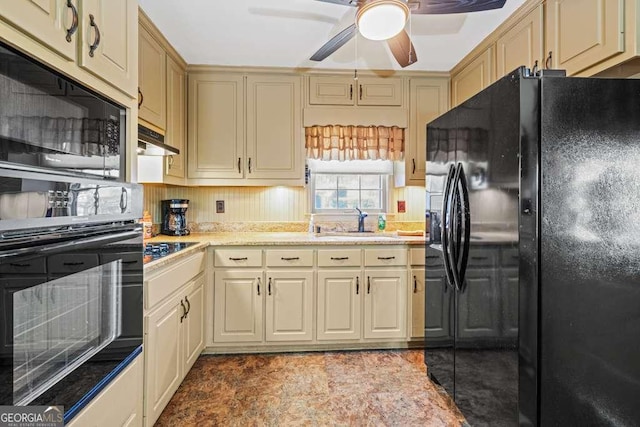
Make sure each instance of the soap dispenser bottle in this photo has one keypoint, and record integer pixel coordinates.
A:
(311, 225)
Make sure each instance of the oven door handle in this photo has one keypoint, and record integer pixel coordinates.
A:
(73, 244)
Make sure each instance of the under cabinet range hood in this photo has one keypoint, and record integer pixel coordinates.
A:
(151, 143)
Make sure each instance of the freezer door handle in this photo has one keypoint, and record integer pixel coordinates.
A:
(451, 229)
(466, 224)
(446, 206)
(458, 229)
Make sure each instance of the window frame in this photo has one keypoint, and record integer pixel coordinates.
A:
(384, 189)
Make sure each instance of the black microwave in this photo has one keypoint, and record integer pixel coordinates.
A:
(50, 122)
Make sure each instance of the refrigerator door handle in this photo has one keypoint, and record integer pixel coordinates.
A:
(445, 225)
(450, 228)
(466, 224)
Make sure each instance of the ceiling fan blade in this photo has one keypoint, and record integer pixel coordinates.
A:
(400, 46)
(335, 43)
(437, 7)
(353, 3)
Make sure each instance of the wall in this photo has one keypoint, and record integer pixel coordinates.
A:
(281, 204)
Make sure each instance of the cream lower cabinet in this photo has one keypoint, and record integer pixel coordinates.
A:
(417, 291)
(289, 306)
(238, 305)
(385, 303)
(339, 304)
(173, 330)
(123, 393)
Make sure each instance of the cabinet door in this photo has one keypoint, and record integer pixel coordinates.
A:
(479, 305)
(582, 33)
(437, 305)
(274, 128)
(47, 21)
(152, 80)
(114, 31)
(509, 289)
(378, 91)
(385, 310)
(331, 90)
(163, 357)
(238, 297)
(289, 306)
(417, 302)
(216, 126)
(339, 302)
(473, 78)
(521, 45)
(176, 118)
(193, 324)
(428, 99)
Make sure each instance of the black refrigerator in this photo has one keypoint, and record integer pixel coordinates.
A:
(532, 302)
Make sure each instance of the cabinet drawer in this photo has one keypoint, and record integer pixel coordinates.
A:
(509, 257)
(339, 258)
(385, 257)
(416, 256)
(482, 257)
(289, 258)
(32, 266)
(71, 263)
(169, 280)
(238, 258)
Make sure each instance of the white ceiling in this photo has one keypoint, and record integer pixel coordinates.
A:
(285, 33)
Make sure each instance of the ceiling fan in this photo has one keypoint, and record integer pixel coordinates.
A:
(386, 19)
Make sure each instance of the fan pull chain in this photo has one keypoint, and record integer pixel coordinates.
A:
(355, 69)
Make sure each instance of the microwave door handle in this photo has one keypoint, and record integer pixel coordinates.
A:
(466, 225)
(445, 222)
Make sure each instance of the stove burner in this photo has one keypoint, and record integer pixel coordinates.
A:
(154, 251)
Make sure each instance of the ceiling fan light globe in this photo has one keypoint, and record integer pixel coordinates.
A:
(382, 19)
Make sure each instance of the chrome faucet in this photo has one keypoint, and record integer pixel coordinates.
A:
(361, 217)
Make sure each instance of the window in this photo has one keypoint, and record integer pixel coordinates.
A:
(342, 186)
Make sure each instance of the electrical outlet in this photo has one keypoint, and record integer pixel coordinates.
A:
(219, 206)
(402, 206)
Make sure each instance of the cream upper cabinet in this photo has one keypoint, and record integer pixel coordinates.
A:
(238, 305)
(274, 128)
(582, 33)
(339, 304)
(428, 98)
(385, 309)
(477, 75)
(108, 34)
(152, 80)
(176, 132)
(522, 44)
(289, 306)
(216, 126)
(416, 277)
(51, 22)
(343, 90)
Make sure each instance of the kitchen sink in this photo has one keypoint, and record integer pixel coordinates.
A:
(354, 236)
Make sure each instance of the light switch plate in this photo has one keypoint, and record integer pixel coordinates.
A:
(402, 206)
(219, 206)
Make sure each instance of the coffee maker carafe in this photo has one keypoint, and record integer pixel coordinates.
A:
(174, 219)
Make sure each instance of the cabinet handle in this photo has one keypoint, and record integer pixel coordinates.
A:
(258, 286)
(72, 264)
(415, 285)
(239, 259)
(351, 92)
(141, 99)
(239, 160)
(290, 258)
(357, 285)
(269, 286)
(534, 69)
(386, 257)
(74, 23)
(184, 311)
(188, 306)
(548, 61)
(129, 262)
(339, 258)
(96, 42)
(368, 284)
(170, 161)
(15, 264)
(414, 166)
(360, 92)
(249, 164)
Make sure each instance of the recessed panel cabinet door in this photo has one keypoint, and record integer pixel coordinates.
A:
(193, 324)
(417, 302)
(48, 21)
(477, 75)
(238, 303)
(479, 306)
(339, 304)
(521, 45)
(582, 33)
(152, 81)
(437, 305)
(176, 118)
(385, 310)
(289, 310)
(274, 128)
(108, 48)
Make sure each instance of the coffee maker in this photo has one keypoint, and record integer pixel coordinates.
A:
(174, 219)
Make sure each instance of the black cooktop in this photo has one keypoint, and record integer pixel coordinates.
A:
(155, 251)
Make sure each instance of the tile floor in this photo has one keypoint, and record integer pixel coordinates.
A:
(354, 388)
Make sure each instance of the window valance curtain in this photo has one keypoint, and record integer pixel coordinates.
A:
(337, 142)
